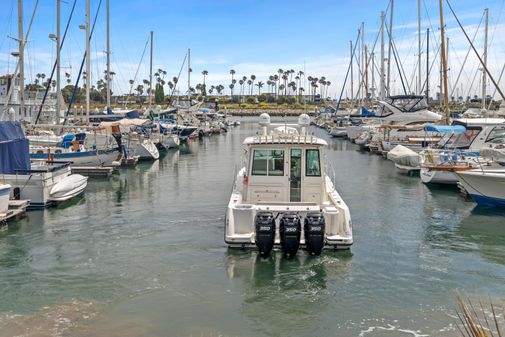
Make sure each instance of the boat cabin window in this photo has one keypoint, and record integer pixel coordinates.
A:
(313, 164)
(497, 136)
(463, 140)
(268, 163)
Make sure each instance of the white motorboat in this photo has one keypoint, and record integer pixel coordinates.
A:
(5, 191)
(43, 183)
(282, 189)
(484, 185)
(144, 149)
(170, 141)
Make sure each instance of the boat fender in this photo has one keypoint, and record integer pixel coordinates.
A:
(264, 224)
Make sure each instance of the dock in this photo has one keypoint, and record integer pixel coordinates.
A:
(17, 209)
(94, 171)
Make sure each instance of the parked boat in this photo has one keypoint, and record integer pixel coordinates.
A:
(485, 186)
(43, 183)
(282, 188)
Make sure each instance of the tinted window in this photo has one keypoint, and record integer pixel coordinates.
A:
(313, 164)
(497, 136)
(268, 163)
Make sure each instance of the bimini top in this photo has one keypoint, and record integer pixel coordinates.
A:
(445, 128)
(285, 133)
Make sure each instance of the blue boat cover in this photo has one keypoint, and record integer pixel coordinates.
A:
(445, 128)
(365, 112)
(133, 114)
(14, 148)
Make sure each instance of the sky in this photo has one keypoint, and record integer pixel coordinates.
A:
(255, 37)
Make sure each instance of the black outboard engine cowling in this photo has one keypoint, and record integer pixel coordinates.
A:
(290, 230)
(313, 229)
(264, 223)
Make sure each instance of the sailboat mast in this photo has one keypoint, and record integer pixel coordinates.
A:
(428, 65)
(88, 58)
(444, 66)
(484, 57)
(189, 74)
(363, 65)
(151, 72)
(419, 82)
(108, 58)
(58, 61)
(382, 84)
(21, 61)
(366, 77)
(389, 47)
(373, 76)
(352, 76)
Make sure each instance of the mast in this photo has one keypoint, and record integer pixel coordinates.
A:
(21, 61)
(427, 65)
(484, 57)
(108, 58)
(363, 65)
(58, 61)
(373, 76)
(366, 77)
(151, 72)
(88, 58)
(352, 77)
(389, 47)
(382, 84)
(189, 75)
(419, 46)
(444, 65)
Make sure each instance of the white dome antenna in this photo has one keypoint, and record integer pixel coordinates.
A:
(304, 120)
(264, 119)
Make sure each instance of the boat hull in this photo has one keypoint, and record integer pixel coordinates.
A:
(146, 151)
(5, 190)
(438, 177)
(85, 158)
(486, 188)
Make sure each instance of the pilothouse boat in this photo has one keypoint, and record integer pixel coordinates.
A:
(283, 197)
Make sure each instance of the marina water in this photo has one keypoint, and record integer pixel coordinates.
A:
(142, 254)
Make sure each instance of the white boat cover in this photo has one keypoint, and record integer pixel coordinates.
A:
(493, 154)
(403, 156)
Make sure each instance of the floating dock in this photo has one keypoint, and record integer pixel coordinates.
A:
(94, 171)
(17, 209)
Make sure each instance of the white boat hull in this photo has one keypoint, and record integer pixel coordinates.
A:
(87, 158)
(71, 186)
(486, 188)
(438, 177)
(146, 150)
(170, 141)
(5, 190)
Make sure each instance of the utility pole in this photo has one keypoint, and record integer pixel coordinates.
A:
(382, 84)
(21, 62)
(108, 58)
(444, 65)
(88, 58)
(389, 48)
(58, 61)
(484, 57)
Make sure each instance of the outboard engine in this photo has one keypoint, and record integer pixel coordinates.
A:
(313, 229)
(290, 231)
(264, 223)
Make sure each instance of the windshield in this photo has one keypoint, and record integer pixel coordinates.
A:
(497, 136)
(462, 140)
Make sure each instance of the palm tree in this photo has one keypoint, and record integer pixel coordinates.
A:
(249, 82)
(232, 72)
(259, 85)
(241, 82)
(253, 78)
(285, 78)
(276, 84)
(204, 73)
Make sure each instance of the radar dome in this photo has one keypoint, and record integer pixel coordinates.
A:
(304, 120)
(264, 119)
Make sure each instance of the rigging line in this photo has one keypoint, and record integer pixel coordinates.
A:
(499, 80)
(54, 65)
(179, 75)
(395, 51)
(82, 65)
(8, 24)
(138, 68)
(9, 94)
(473, 47)
(466, 57)
(347, 73)
(473, 81)
(431, 67)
